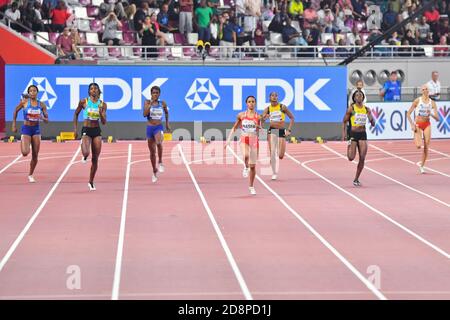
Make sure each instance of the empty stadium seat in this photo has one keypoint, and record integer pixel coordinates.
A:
(42, 38)
(179, 38)
(92, 11)
(276, 39)
(189, 51)
(114, 52)
(102, 52)
(92, 38)
(96, 25)
(80, 12)
(324, 37)
(129, 37)
(85, 3)
(83, 25)
(89, 52)
(28, 35)
(192, 38)
(52, 37)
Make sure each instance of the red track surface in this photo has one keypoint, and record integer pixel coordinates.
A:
(398, 223)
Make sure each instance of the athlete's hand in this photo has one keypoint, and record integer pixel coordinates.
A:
(288, 132)
(168, 129)
(13, 128)
(414, 128)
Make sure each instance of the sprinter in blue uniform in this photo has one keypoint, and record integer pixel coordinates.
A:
(33, 112)
(154, 110)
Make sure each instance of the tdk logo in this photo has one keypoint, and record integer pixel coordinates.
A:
(46, 93)
(202, 95)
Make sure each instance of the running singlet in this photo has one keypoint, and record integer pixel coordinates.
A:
(156, 112)
(32, 114)
(91, 111)
(359, 116)
(249, 125)
(423, 109)
(276, 114)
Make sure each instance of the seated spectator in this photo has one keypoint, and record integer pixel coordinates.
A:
(341, 52)
(391, 90)
(163, 19)
(141, 14)
(13, 15)
(148, 34)
(429, 40)
(122, 9)
(276, 25)
(409, 36)
(404, 51)
(360, 8)
(444, 28)
(4, 5)
(112, 25)
(291, 36)
(65, 46)
(32, 18)
(159, 35)
(47, 7)
(422, 30)
(394, 39)
(338, 24)
(328, 51)
(59, 16)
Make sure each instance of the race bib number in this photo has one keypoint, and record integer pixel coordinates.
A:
(93, 114)
(248, 126)
(34, 115)
(360, 119)
(156, 113)
(275, 116)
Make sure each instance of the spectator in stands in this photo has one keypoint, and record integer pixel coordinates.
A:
(409, 36)
(252, 14)
(444, 28)
(112, 26)
(395, 5)
(13, 15)
(163, 19)
(214, 4)
(31, 18)
(389, 18)
(296, 9)
(215, 30)
(292, 36)
(328, 50)
(422, 30)
(405, 51)
(391, 90)
(345, 4)
(4, 5)
(203, 15)
(395, 39)
(441, 50)
(122, 9)
(359, 8)
(432, 15)
(65, 46)
(47, 7)
(185, 22)
(148, 34)
(159, 35)
(434, 86)
(278, 21)
(341, 52)
(267, 14)
(59, 16)
(228, 34)
(141, 14)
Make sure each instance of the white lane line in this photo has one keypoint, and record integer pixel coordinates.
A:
(36, 213)
(117, 272)
(441, 153)
(10, 164)
(392, 179)
(406, 160)
(222, 240)
(380, 213)
(367, 283)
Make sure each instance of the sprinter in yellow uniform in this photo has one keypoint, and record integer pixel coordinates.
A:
(357, 113)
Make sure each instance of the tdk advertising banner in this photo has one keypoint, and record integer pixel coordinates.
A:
(391, 121)
(193, 93)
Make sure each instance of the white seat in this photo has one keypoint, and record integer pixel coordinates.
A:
(128, 53)
(97, 3)
(176, 52)
(192, 38)
(265, 25)
(92, 38)
(83, 25)
(102, 52)
(428, 51)
(276, 39)
(325, 37)
(80, 12)
(42, 38)
(296, 25)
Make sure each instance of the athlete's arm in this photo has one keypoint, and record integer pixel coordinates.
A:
(166, 113)
(435, 114)
(20, 106)
(102, 111)
(408, 115)
(264, 115)
(80, 107)
(44, 112)
(238, 121)
(347, 116)
(369, 115)
(291, 119)
(146, 108)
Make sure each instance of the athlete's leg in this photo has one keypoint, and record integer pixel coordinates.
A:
(152, 147)
(96, 149)
(281, 147)
(35, 147)
(362, 158)
(273, 147)
(25, 142)
(418, 138)
(245, 149)
(426, 144)
(86, 142)
(351, 150)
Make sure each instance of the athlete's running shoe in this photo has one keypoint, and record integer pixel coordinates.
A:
(31, 179)
(252, 190)
(356, 183)
(161, 168)
(91, 186)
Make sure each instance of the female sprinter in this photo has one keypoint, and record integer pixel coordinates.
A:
(153, 111)
(94, 111)
(357, 113)
(276, 112)
(422, 127)
(33, 111)
(250, 123)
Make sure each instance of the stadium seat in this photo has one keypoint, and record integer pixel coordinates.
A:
(188, 51)
(28, 35)
(276, 39)
(164, 52)
(179, 38)
(129, 53)
(176, 52)
(89, 52)
(296, 25)
(92, 11)
(265, 25)
(114, 52)
(92, 38)
(83, 25)
(82, 37)
(52, 37)
(85, 3)
(102, 52)
(129, 37)
(42, 38)
(192, 38)
(97, 2)
(80, 12)
(96, 25)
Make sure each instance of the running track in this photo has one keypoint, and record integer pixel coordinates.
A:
(198, 234)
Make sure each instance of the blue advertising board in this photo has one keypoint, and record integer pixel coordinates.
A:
(193, 93)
